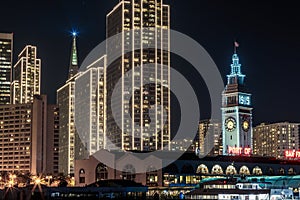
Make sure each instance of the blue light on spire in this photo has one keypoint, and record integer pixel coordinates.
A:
(74, 32)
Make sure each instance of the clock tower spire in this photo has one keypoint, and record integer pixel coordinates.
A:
(236, 112)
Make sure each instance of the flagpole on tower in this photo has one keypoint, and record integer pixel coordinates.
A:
(236, 45)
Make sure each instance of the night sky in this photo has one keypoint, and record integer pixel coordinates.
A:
(268, 33)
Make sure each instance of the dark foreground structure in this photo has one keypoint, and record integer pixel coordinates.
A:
(185, 171)
(107, 189)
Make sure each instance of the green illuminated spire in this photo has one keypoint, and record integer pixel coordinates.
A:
(73, 68)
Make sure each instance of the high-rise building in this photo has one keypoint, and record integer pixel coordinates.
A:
(90, 112)
(65, 101)
(6, 59)
(236, 113)
(52, 143)
(275, 139)
(39, 134)
(27, 76)
(68, 148)
(210, 138)
(15, 128)
(142, 67)
(23, 136)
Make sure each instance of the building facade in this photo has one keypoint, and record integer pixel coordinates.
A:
(186, 171)
(210, 138)
(52, 143)
(236, 113)
(16, 137)
(275, 139)
(140, 62)
(90, 110)
(6, 59)
(23, 136)
(65, 102)
(27, 76)
(184, 145)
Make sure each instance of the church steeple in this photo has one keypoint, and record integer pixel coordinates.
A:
(73, 67)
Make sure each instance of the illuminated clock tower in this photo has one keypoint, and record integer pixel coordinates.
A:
(236, 113)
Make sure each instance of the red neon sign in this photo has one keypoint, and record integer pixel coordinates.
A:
(247, 151)
(239, 150)
(292, 154)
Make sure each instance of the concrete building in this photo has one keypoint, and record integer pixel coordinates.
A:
(27, 76)
(6, 59)
(275, 139)
(23, 136)
(39, 134)
(52, 143)
(142, 65)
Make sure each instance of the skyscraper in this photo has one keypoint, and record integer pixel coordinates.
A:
(236, 113)
(65, 101)
(90, 112)
(6, 57)
(68, 149)
(27, 76)
(141, 116)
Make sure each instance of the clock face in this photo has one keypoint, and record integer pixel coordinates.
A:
(245, 125)
(230, 124)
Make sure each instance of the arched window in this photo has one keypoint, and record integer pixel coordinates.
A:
(230, 170)
(101, 172)
(257, 171)
(151, 176)
(217, 169)
(170, 174)
(128, 172)
(171, 169)
(291, 171)
(281, 171)
(81, 176)
(244, 170)
(202, 169)
(270, 171)
(187, 169)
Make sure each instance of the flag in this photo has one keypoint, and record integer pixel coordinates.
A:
(236, 44)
